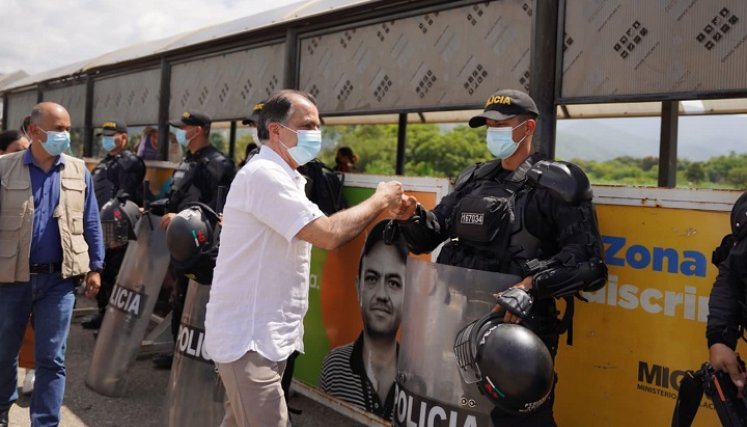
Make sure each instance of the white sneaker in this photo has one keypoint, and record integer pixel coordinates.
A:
(28, 382)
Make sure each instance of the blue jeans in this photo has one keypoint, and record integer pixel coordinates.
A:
(49, 300)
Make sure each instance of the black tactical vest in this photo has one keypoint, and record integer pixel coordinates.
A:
(102, 184)
(183, 190)
(488, 228)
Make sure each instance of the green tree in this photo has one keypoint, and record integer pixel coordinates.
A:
(429, 151)
(648, 162)
(717, 168)
(737, 177)
(694, 172)
(433, 150)
(376, 146)
(445, 155)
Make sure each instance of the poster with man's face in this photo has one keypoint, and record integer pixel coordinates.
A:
(381, 290)
(363, 371)
(357, 292)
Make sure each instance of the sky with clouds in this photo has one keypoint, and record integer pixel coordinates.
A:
(40, 35)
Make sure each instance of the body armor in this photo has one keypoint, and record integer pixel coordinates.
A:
(182, 190)
(488, 223)
(102, 184)
(197, 177)
(512, 222)
(121, 173)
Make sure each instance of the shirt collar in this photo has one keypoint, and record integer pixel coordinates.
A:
(356, 357)
(267, 153)
(356, 365)
(28, 159)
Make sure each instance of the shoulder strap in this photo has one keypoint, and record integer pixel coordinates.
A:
(566, 323)
(477, 172)
(518, 178)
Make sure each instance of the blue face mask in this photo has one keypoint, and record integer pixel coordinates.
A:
(107, 143)
(501, 143)
(309, 145)
(181, 137)
(57, 142)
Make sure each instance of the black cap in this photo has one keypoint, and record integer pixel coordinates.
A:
(191, 118)
(254, 117)
(504, 104)
(112, 127)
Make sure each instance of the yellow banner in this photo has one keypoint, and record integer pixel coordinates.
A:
(636, 337)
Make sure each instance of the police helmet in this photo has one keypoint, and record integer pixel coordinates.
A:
(509, 363)
(118, 218)
(192, 238)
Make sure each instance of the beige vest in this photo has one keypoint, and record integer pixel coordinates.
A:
(17, 215)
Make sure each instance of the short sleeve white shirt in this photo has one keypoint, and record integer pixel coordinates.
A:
(260, 288)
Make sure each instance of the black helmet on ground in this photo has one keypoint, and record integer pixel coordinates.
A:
(118, 218)
(192, 239)
(509, 363)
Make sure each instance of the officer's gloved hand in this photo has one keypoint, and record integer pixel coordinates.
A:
(159, 207)
(406, 208)
(516, 301)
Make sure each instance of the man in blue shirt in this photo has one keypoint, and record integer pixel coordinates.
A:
(50, 239)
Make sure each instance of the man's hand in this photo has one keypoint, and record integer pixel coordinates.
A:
(510, 317)
(406, 208)
(723, 358)
(166, 220)
(93, 284)
(391, 193)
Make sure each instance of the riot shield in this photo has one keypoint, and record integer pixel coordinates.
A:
(440, 300)
(129, 309)
(195, 392)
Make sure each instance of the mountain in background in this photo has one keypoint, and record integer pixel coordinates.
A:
(700, 137)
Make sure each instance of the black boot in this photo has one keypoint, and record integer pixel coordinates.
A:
(4, 418)
(93, 322)
(163, 360)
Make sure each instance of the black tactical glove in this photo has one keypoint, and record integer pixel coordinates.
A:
(516, 300)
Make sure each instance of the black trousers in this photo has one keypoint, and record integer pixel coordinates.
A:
(288, 374)
(112, 262)
(542, 417)
(180, 294)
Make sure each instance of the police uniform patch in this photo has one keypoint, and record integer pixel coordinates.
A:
(472, 218)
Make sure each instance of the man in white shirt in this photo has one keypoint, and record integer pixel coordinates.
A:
(259, 294)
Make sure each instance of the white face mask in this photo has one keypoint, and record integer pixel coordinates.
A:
(308, 146)
(501, 143)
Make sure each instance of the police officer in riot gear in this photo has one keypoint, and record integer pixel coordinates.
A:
(121, 171)
(727, 312)
(521, 215)
(118, 176)
(118, 218)
(196, 179)
(203, 169)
